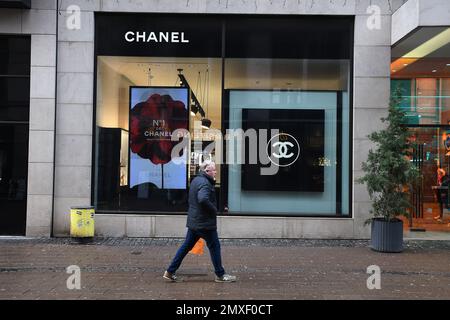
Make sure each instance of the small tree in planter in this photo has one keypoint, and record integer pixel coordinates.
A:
(389, 177)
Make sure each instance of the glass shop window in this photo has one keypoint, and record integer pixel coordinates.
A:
(286, 76)
(293, 76)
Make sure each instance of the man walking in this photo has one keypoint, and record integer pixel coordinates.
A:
(201, 223)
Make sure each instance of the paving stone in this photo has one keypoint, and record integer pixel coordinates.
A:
(131, 268)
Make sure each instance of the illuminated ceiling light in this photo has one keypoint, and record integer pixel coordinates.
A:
(401, 63)
(434, 70)
(448, 64)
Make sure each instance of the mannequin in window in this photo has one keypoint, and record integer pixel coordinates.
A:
(443, 196)
(440, 174)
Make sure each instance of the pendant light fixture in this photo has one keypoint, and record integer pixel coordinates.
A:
(194, 108)
(206, 123)
(195, 104)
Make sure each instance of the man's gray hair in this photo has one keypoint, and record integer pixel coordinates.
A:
(205, 164)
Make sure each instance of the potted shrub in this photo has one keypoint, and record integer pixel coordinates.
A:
(389, 176)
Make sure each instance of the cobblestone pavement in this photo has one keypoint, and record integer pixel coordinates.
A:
(131, 268)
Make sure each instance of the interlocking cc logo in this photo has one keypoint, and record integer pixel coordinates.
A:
(284, 149)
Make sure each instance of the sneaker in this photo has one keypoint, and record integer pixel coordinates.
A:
(171, 277)
(226, 278)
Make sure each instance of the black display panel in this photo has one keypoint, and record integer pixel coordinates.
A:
(24, 4)
(301, 168)
(296, 37)
(14, 98)
(15, 53)
(244, 36)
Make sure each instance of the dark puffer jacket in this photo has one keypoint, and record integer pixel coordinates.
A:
(202, 212)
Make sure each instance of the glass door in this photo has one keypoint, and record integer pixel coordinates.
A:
(14, 120)
(13, 178)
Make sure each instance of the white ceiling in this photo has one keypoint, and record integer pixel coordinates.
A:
(419, 37)
(239, 73)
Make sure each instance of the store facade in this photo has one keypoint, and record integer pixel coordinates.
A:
(134, 72)
(236, 73)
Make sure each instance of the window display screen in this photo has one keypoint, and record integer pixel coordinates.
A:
(155, 113)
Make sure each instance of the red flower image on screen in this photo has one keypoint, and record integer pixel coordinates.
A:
(151, 125)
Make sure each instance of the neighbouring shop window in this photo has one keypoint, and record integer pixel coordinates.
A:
(422, 73)
(15, 52)
(14, 78)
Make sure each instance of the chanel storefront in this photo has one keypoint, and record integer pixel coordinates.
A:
(239, 85)
(127, 97)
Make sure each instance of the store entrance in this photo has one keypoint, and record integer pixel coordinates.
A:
(431, 202)
(14, 126)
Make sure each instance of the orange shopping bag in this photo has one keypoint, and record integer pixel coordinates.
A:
(198, 247)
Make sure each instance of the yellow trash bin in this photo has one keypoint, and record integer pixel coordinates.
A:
(82, 222)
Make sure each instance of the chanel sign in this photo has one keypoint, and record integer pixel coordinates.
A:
(157, 37)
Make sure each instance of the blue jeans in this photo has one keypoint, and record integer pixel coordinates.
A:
(212, 241)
